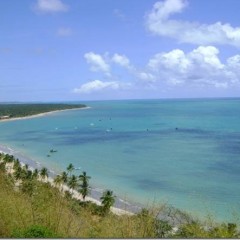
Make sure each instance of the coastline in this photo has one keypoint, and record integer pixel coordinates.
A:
(121, 207)
(42, 114)
(94, 197)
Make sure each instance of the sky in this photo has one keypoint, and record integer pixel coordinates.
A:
(77, 50)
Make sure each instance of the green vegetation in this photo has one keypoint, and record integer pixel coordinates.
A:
(30, 207)
(34, 231)
(107, 200)
(23, 110)
(84, 187)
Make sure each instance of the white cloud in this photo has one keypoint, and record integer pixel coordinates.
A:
(121, 60)
(158, 21)
(175, 60)
(97, 85)
(233, 65)
(201, 66)
(234, 62)
(51, 6)
(64, 32)
(207, 55)
(97, 63)
(145, 76)
(165, 8)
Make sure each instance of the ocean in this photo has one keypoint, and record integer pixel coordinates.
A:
(182, 152)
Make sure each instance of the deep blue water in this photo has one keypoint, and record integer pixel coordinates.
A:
(183, 152)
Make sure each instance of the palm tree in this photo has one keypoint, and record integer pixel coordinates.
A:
(16, 164)
(58, 181)
(85, 189)
(64, 177)
(107, 200)
(84, 178)
(8, 159)
(24, 173)
(5, 158)
(35, 173)
(73, 182)
(44, 173)
(29, 174)
(70, 168)
(18, 173)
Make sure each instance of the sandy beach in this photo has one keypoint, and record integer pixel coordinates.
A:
(33, 164)
(9, 167)
(42, 114)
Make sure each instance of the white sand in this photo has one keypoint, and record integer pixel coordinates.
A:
(76, 195)
(41, 114)
(64, 188)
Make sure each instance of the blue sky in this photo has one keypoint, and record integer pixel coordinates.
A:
(59, 50)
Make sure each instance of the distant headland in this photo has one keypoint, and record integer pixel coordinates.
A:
(27, 110)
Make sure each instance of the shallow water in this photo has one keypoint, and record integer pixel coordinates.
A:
(183, 152)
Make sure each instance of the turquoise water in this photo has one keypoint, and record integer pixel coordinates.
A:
(182, 152)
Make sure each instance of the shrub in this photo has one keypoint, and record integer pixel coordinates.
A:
(34, 231)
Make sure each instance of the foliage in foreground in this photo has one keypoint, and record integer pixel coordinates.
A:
(35, 209)
(34, 231)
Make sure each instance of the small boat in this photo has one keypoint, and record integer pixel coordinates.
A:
(53, 151)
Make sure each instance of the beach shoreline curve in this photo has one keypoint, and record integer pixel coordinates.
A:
(42, 114)
(7, 150)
